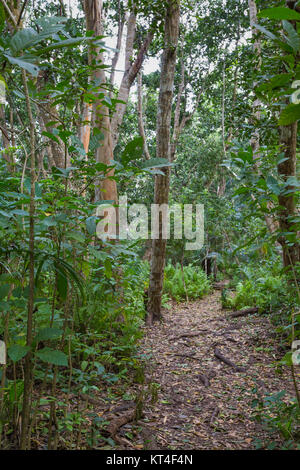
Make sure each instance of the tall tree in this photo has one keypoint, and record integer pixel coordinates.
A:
(109, 125)
(107, 189)
(257, 58)
(287, 169)
(163, 150)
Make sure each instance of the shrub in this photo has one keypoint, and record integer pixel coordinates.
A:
(261, 288)
(195, 284)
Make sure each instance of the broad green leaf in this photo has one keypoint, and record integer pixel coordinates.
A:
(49, 221)
(52, 356)
(61, 44)
(276, 81)
(73, 275)
(51, 136)
(18, 94)
(108, 268)
(279, 13)
(4, 290)
(22, 39)
(292, 181)
(265, 31)
(293, 39)
(132, 151)
(78, 236)
(273, 185)
(289, 115)
(48, 333)
(62, 284)
(28, 37)
(156, 163)
(91, 225)
(16, 352)
(287, 359)
(5, 214)
(31, 68)
(20, 212)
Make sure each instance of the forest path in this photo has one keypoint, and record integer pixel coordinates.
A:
(203, 403)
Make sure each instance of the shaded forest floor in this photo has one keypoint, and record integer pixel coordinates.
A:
(187, 398)
(196, 401)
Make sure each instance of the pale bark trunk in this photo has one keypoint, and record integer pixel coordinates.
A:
(131, 71)
(118, 47)
(85, 129)
(161, 193)
(49, 114)
(106, 188)
(140, 114)
(177, 127)
(179, 124)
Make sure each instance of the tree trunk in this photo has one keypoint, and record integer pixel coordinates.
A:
(271, 223)
(287, 203)
(257, 54)
(106, 188)
(6, 140)
(163, 150)
(140, 114)
(131, 71)
(287, 169)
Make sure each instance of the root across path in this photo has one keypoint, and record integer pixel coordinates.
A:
(204, 369)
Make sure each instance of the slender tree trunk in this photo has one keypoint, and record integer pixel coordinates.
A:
(287, 202)
(163, 150)
(287, 169)
(177, 124)
(257, 54)
(28, 361)
(121, 22)
(140, 114)
(131, 71)
(85, 128)
(272, 224)
(222, 185)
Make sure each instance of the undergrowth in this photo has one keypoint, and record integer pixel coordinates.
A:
(190, 282)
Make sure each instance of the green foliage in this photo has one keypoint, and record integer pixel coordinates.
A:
(89, 298)
(260, 288)
(278, 415)
(191, 283)
(279, 13)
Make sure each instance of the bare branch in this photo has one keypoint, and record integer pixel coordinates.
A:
(10, 14)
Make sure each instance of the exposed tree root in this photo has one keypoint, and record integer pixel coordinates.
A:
(189, 335)
(243, 313)
(227, 361)
(119, 421)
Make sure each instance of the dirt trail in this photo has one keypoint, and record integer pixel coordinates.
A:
(203, 403)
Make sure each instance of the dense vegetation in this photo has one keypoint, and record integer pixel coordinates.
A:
(75, 136)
